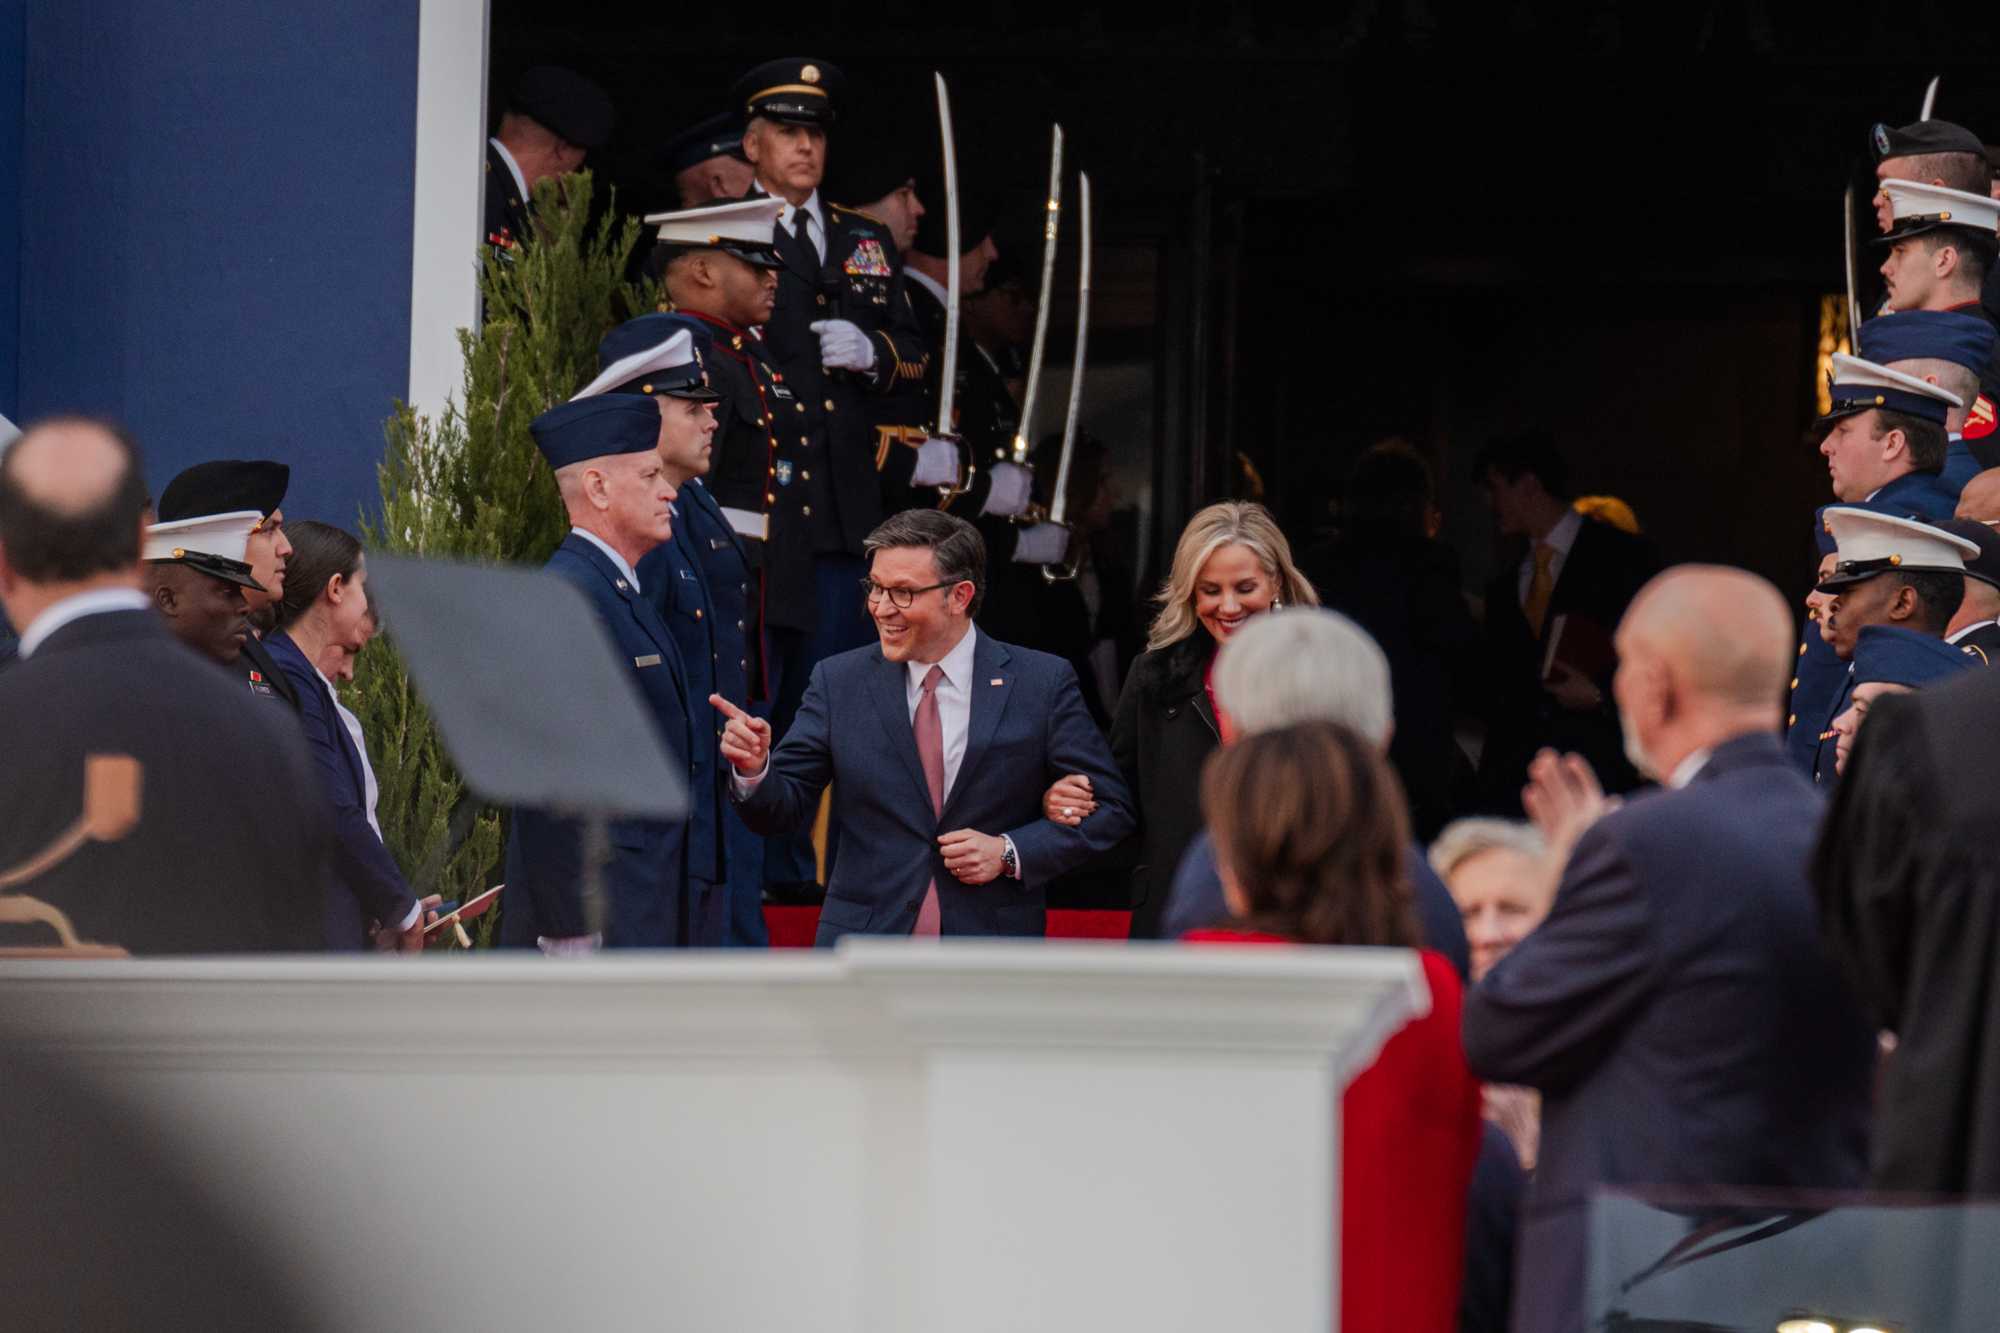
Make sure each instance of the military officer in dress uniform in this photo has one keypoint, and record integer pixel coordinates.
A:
(837, 331)
(1884, 437)
(1887, 571)
(699, 582)
(1888, 660)
(706, 162)
(1975, 630)
(1947, 348)
(196, 577)
(605, 453)
(720, 276)
(554, 118)
(225, 485)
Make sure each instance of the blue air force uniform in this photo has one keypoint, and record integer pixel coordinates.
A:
(646, 877)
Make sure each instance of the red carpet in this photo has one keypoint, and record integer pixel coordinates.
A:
(793, 927)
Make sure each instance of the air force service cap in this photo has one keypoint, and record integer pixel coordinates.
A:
(797, 90)
(1869, 544)
(744, 228)
(653, 354)
(1916, 207)
(1892, 655)
(1923, 138)
(223, 485)
(720, 135)
(212, 544)
(1928, 335)
(1860, 386)
(565, 102)
(596, 427)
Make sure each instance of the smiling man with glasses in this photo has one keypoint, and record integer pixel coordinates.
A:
(938, 743)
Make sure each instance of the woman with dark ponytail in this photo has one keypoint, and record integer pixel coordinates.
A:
(323, 620)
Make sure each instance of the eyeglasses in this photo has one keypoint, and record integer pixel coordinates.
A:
(900, 598)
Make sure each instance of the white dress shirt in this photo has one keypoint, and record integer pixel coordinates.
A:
(520, 181)
(1951, 638)
(92, 603)
(1689, 768)
(816, 218)
(624, 566)
(929, 284)
(1561, 537)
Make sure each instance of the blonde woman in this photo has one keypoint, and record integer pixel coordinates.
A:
(1232, 563)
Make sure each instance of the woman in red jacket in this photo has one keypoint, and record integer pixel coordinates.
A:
(1310, 831)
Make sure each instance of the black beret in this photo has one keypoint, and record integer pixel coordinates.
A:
(799, 90)
(565, 102)
(1924, 137)
(719, 136)
(224, 486)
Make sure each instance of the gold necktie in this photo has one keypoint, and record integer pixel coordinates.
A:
(1540, 585)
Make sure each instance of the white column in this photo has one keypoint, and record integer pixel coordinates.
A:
(450, 193)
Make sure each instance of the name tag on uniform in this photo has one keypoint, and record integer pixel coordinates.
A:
(650, 659)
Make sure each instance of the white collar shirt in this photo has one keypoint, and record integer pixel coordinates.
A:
(96, 602)
(954, 696)
(370, 791)
(513, 168)
(815, 214)
(1689, 768)
(1560, 539)
(928, 283)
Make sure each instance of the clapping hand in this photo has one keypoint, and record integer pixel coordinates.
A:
(746, 740)
(1069, 801)
(1563, 798)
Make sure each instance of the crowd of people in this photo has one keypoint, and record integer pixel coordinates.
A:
(1676, 930)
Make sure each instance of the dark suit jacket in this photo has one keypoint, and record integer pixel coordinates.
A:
(233, 830)
(1679, 1015)
(366, 883)
(1604, 569)
(646, 878)
(1163, 731)
(699, 584)
(1028, 727)
(1196, 902)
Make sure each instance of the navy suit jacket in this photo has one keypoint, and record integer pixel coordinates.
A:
(1196, 901)
(1028, 727)
(1679, 1014)
(368, 885)
(698, 582)
(646, 876)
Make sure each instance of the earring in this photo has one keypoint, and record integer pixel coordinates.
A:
(1277, 605)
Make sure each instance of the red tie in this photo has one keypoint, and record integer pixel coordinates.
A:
(930, 751)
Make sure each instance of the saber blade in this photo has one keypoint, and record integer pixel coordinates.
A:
(1853, 292)
(1060, 504)
(948, 390)
(1050, 227)
(1930, 98)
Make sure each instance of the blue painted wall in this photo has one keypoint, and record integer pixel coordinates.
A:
(13, 67)
(214, 229)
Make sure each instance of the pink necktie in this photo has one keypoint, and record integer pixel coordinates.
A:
(930, 751)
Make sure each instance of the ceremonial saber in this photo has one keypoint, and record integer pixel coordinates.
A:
(1853, 294)
(1930, 98)
(1059, 506)
(1054, 217)
(948, 388)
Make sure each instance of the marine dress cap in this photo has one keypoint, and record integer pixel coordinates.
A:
(1870, 544)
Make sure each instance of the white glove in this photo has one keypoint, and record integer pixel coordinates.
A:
(1012, 485)
(843, 346)
(937, 463)
(1042, 544)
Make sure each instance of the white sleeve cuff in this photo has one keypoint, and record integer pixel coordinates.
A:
(741, 786)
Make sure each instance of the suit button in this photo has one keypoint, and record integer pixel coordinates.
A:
(697, 613)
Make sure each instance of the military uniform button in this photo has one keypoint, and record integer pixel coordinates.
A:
(806, 510)
(1802, 650)
(829, 405)
(805, 476)
(800, 406)
(822, 298)
(804, 440)
(739, 624)
(1792, 721)
(768, 499)
(697, 613)
(774, 472)
(1795, 682)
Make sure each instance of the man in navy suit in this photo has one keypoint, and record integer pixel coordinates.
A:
(938, 742)
(605, 454)
(1676, 1008)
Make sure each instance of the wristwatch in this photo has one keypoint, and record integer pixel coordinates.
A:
(1010, 865)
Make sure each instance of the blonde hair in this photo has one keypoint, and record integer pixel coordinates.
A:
(1230, 523)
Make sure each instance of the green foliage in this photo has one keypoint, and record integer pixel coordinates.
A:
(469, 485)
